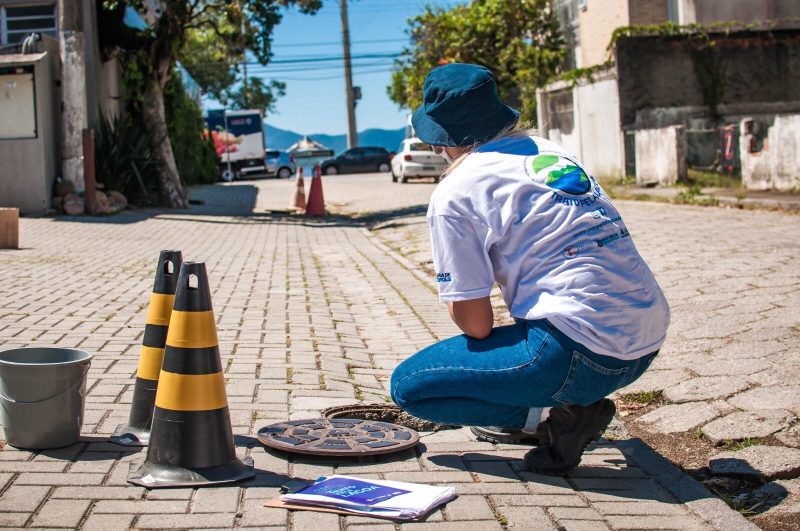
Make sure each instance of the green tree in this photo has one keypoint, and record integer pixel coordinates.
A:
(244, 26)
(519, 40)
(216, 66)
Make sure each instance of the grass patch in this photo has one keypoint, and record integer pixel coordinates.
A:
(644, 397)
(735, 446)
(289, 375)
(696, 433)
(710, 179)
(744, 505)
(502, 520)
(693, 195)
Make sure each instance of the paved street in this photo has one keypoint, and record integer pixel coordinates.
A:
(313, 314)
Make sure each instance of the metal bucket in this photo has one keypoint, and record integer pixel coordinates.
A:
(42, 393)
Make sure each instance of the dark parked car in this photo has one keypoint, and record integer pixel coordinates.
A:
(359, 159)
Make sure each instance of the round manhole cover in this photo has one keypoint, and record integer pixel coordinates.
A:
(338, 437)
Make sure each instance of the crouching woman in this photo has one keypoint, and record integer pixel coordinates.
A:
(521, 211)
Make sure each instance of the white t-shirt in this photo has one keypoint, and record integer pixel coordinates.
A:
(523, 212)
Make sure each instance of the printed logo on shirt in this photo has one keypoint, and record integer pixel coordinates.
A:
(443, 277)
(600, 212)
(561, 174)
(574, 250)
(571, 251)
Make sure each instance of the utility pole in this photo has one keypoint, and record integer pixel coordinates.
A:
(244, 61)
(352, 132)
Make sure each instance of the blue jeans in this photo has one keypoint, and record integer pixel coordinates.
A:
(496, 380)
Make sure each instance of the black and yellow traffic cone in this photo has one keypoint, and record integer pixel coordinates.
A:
(137, 431)
(191, 441)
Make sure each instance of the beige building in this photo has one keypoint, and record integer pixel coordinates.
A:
(52, 90)
(646, 113)
(589, 24)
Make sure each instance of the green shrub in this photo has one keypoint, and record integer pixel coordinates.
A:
(123, 161)
(195, 156)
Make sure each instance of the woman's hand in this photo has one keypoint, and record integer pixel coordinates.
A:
(474, 317)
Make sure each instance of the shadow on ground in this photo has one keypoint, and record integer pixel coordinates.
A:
(239, 205)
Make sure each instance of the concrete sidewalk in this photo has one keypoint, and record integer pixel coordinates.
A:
(730, 197)
(310, 314)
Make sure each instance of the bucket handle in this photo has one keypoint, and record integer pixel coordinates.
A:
(80, 381)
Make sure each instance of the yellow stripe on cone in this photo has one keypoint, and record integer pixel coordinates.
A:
(191, 392)
(160, 309)
(192, 330)
(150, 360)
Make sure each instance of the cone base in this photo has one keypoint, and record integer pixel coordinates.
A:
(153, 476)
(126, 435)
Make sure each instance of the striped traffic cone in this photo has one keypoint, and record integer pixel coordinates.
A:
(191, 441)
(137, 431)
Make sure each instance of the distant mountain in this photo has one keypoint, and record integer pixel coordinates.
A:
(277, 138)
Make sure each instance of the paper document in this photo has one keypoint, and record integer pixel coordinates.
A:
(389, 499)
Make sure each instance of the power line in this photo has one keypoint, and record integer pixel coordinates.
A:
(315, 66)
(336, 76)
(307, 60)
(293, 70)
(336, 43)
(333, 58)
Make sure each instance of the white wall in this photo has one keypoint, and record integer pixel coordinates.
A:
(599, 126)
(777, 165)
(660, 156)
(596, 137)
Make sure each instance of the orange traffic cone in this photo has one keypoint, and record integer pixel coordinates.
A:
(316, 202)
(299, 198)
(191, 441)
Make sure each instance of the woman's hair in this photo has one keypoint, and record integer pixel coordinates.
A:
(513, 130)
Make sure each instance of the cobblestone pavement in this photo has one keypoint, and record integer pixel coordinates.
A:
(314, 314)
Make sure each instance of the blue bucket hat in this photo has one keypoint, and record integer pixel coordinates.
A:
(460, 107)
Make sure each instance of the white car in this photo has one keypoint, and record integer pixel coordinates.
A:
(416, 159)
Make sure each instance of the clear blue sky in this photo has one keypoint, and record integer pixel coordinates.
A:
(316, 105)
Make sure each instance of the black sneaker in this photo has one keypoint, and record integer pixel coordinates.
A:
(498, 435)
(570, 429)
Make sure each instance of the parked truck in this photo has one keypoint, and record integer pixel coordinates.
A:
(239, 140)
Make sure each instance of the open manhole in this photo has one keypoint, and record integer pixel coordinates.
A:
(385, 413)
(338, 437)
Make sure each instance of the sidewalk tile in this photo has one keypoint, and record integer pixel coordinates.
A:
(61, 513)
(185, 521)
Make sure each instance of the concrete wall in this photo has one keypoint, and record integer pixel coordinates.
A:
(601, 146)
(596, 25)
(662, 79)
(557, 116)
(770, 155)
(29, 165)
(660, 156)
(110, 89)
(592, 131)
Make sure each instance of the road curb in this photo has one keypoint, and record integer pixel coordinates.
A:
(686, 489)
